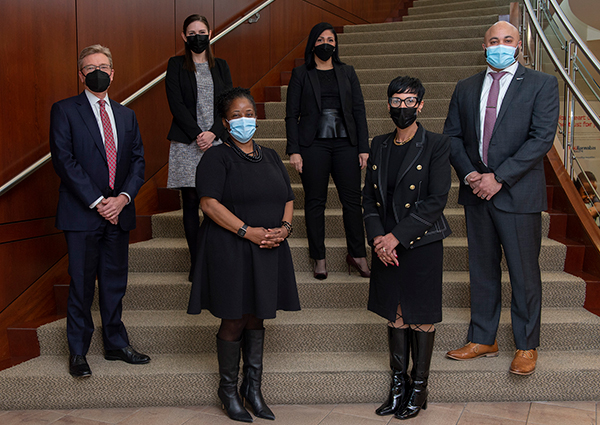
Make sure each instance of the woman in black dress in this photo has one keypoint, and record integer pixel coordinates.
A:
(326, 128)
(244, 271)
(405, 192)
(193, 82)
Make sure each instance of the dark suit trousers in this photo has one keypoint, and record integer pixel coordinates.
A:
(102, 253)
(340, 159)
(489, 230)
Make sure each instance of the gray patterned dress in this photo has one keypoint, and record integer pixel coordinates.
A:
(183, 158)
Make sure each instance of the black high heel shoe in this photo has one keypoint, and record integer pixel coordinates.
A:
(352, 263)
(319, 275)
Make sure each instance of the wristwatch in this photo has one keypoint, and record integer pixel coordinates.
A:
(242, 231)
(498, 179)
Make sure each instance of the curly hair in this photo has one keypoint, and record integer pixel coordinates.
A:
(226, 98)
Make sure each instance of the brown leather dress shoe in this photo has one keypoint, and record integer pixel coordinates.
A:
(474, 351)
(524, 362)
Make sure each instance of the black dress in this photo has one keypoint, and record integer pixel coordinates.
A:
(233, 275)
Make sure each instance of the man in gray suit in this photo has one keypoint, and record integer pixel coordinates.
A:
(502, 122)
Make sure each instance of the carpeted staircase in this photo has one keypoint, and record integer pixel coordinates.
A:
(334, 350)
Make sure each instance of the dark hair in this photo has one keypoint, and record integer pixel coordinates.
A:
(406, 84)
(226, 98)
(189, 62)
(581, 178)
(315, 32)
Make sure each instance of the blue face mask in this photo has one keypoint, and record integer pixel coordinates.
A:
(242, 129)
(501, 56)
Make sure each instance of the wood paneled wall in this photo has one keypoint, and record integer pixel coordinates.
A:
(38, 52)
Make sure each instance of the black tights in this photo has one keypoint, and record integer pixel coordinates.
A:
(231, 329)
(191, 218)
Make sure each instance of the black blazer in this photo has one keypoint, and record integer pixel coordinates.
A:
(523, 134)
(303, 107)
(182, 94)
(421, 192)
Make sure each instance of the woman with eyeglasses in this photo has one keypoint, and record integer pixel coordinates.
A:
(194, 80)
(405, 192)
(326, 128)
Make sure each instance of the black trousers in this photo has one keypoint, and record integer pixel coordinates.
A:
(340, 159)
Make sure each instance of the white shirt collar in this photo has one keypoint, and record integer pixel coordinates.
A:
(93, 99)
(512, 69)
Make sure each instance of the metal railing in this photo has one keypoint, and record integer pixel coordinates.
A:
(547, 14)
(250, 17)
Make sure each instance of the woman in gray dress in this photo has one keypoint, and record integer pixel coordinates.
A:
(194, 80)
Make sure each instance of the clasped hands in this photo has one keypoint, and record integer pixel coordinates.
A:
(266, 238)
(385, 248)
(484, 185)
(205, 140)
(110, 208)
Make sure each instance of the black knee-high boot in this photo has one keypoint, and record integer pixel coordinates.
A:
(398, 341)
(228, 353)
(252, 351)
(422, 350)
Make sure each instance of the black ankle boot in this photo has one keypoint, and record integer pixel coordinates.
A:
(252, 350)
(398, 342)
(422, 350)
(228, 353)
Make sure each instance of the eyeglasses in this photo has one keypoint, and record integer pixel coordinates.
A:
(409, 102)
(92, 68)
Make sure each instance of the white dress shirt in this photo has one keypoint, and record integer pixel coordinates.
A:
(95, 104)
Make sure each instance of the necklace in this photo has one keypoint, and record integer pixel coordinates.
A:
(254, 156)
(403, 142)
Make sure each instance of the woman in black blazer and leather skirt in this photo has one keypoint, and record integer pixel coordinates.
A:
(405, 192)
(326, 129)
(193, 82)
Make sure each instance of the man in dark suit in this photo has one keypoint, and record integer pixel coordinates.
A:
(502, 122)
(98, 154)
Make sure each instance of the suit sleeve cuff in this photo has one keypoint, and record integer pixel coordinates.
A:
(96, 202)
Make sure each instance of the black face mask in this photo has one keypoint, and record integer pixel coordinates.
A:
(324, 51)
(197, 43)
(97, 81)
(403, 117)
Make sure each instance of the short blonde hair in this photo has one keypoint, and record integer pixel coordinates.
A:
(91, 50)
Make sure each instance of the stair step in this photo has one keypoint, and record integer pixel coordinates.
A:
(413, 34)
(171, 291)
(463, 21)
(428, 7)
(400, 46)
(301, 378)
(160, 255)
(425, 74)
(416, 59)
(418, 15)
(321, 330)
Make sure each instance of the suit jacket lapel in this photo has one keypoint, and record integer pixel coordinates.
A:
(477, 87)
(314, 81)
(512, 91)
(120, 128)
(85, 110)
(193, 84)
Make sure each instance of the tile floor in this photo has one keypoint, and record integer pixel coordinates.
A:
(539, 413)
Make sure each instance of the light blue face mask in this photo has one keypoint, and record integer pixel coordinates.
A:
(501, 56)
(242, 129)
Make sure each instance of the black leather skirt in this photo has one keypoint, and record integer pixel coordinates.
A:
(331, 125)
